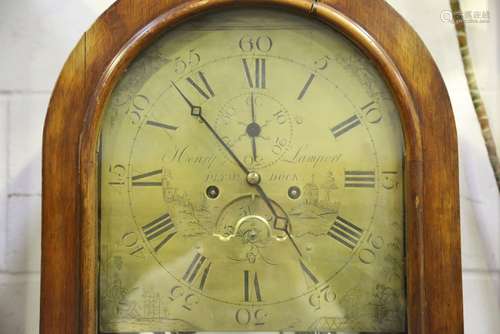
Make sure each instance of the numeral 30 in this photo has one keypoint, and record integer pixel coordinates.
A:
(245, 317)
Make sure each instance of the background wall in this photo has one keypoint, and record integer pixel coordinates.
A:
(37, 36)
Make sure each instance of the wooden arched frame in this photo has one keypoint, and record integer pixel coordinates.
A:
(69, 233)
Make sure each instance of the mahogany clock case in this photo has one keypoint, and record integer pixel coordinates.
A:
(69, 231)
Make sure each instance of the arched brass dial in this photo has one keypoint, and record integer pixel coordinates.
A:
(252, 166)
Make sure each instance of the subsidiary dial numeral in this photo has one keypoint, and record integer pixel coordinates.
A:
(161, 228)
(206, 91)
(345, 232)
(142, 179)
(359, 179)
(198, 271)
(251, 282)
(259, 81)
(346, 126)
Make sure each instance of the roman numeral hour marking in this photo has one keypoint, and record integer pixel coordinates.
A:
(260, 73)
(198, 270)
(306, 87)
(345, 232)
(248, 283)
(142, 179)
(162, 229)
(206, 91)
(359, 179)
(162, 125)
(345, 126)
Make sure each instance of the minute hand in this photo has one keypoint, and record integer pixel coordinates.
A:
(223, 143)
(198, 112)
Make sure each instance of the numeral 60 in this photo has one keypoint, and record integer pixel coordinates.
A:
(261, 43)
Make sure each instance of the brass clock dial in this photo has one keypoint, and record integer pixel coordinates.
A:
(251, 179)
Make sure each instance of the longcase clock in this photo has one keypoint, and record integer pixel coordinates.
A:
(250, 165)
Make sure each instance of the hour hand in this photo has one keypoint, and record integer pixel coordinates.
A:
(253, 130)
(254, 149)
(280, 223)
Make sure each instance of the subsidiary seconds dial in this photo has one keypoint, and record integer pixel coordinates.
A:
(258, 124)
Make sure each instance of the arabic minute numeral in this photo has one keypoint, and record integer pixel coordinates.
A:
(184, 63)
(324, 295)
(186, 298)
(246, 317)
(133, 244)
(118, 173)
(372, 112)
(139, 104)
(390, 180)
(260, 43)
(368, 255)
(322, 63)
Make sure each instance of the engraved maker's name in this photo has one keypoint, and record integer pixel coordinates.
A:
(184, 156)
(302, 156)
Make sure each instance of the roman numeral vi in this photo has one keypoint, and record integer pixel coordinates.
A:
(251, 281)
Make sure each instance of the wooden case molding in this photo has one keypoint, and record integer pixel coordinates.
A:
(69, 229)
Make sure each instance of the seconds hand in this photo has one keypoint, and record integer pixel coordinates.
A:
(197, 112)
(254, 141)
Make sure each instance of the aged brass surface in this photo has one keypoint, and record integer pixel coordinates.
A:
(314, 241)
